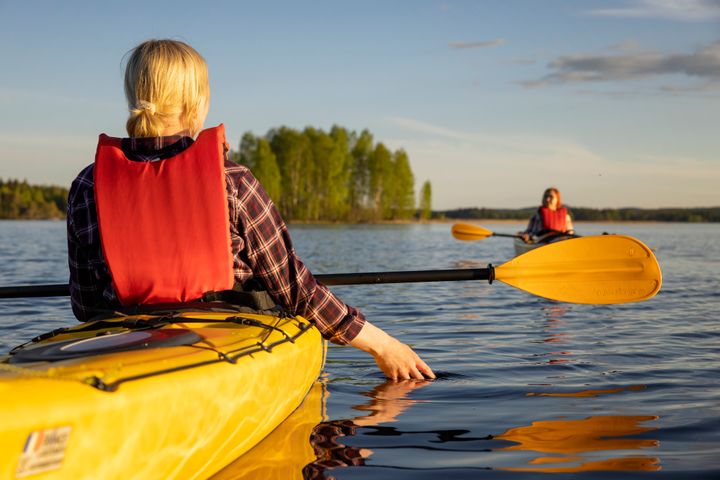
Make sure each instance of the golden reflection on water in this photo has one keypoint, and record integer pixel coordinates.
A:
(587, 393)
(568, 440)
(591, 434)
(306, 445)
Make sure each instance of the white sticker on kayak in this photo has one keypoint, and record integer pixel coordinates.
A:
(44, 450)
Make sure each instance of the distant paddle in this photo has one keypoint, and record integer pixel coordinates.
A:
(469, 232)
(604, 269)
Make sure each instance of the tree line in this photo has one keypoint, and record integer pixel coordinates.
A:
(700, 214)
(20, 200)
(337, 176)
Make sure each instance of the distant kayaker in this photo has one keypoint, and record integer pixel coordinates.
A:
(206, 201)
(550, 220)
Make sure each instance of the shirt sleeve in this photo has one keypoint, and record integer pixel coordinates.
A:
(535, 224)
(269, 253)
(89, 278)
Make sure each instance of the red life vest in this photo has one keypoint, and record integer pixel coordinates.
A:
(164, 225)
(554, 219)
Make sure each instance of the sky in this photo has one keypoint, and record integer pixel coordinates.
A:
(615, 102)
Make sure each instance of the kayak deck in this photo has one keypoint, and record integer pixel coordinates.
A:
(182, 411)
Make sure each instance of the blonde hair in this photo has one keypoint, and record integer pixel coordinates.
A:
(164, 80)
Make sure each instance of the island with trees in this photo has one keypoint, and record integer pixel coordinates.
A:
(334, 176)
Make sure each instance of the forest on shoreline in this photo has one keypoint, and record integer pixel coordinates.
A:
(21, 201)
(687, 215)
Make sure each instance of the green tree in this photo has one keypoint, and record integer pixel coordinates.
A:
(266, 170)
(319, 148)
(403, 192)
(248, 147)
(359, 181)
(292, 151)
(339, 170)
(380, 182)
(426, 201)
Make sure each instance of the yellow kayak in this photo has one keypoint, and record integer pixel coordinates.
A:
(284, 453)
(152, 396)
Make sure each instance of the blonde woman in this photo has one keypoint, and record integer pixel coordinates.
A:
(186, 210)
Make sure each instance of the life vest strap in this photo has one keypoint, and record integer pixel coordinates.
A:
(255, 299)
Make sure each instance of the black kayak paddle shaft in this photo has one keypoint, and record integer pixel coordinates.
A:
(370, 278)
(56, 290)
(408, 277)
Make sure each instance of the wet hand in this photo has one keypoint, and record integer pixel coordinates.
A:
(397, 360)
(400, 362)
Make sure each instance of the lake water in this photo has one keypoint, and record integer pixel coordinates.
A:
(527, 387)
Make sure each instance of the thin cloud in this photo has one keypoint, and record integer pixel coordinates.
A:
(682, 10)
(524, 144)
(705, 87)
(704, 64)
(483, 44)
(626, 46)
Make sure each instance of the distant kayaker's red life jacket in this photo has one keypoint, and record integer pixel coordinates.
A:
(554, 219)
(164, 225)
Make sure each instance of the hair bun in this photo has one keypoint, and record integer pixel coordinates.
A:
(146, 106)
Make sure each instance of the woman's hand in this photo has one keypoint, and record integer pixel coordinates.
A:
(395, 359)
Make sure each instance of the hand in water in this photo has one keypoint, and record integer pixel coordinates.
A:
(395, 359)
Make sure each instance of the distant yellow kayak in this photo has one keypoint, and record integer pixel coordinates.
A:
(178, 396)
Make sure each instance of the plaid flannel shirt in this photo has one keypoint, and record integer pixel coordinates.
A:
(261, 247)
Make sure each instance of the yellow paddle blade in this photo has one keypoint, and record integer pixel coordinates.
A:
(598, 270)
(466, 231)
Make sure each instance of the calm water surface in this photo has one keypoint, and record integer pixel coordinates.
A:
(527, 388)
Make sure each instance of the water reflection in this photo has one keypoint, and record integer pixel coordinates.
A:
(592, 434)
(554, 333)
(305, 446)
(588, 393)
(387, 401)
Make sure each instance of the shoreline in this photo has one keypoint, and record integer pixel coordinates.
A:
(415, 222)
(450, 221)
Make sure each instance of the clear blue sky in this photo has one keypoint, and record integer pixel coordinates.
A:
(615, 102)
